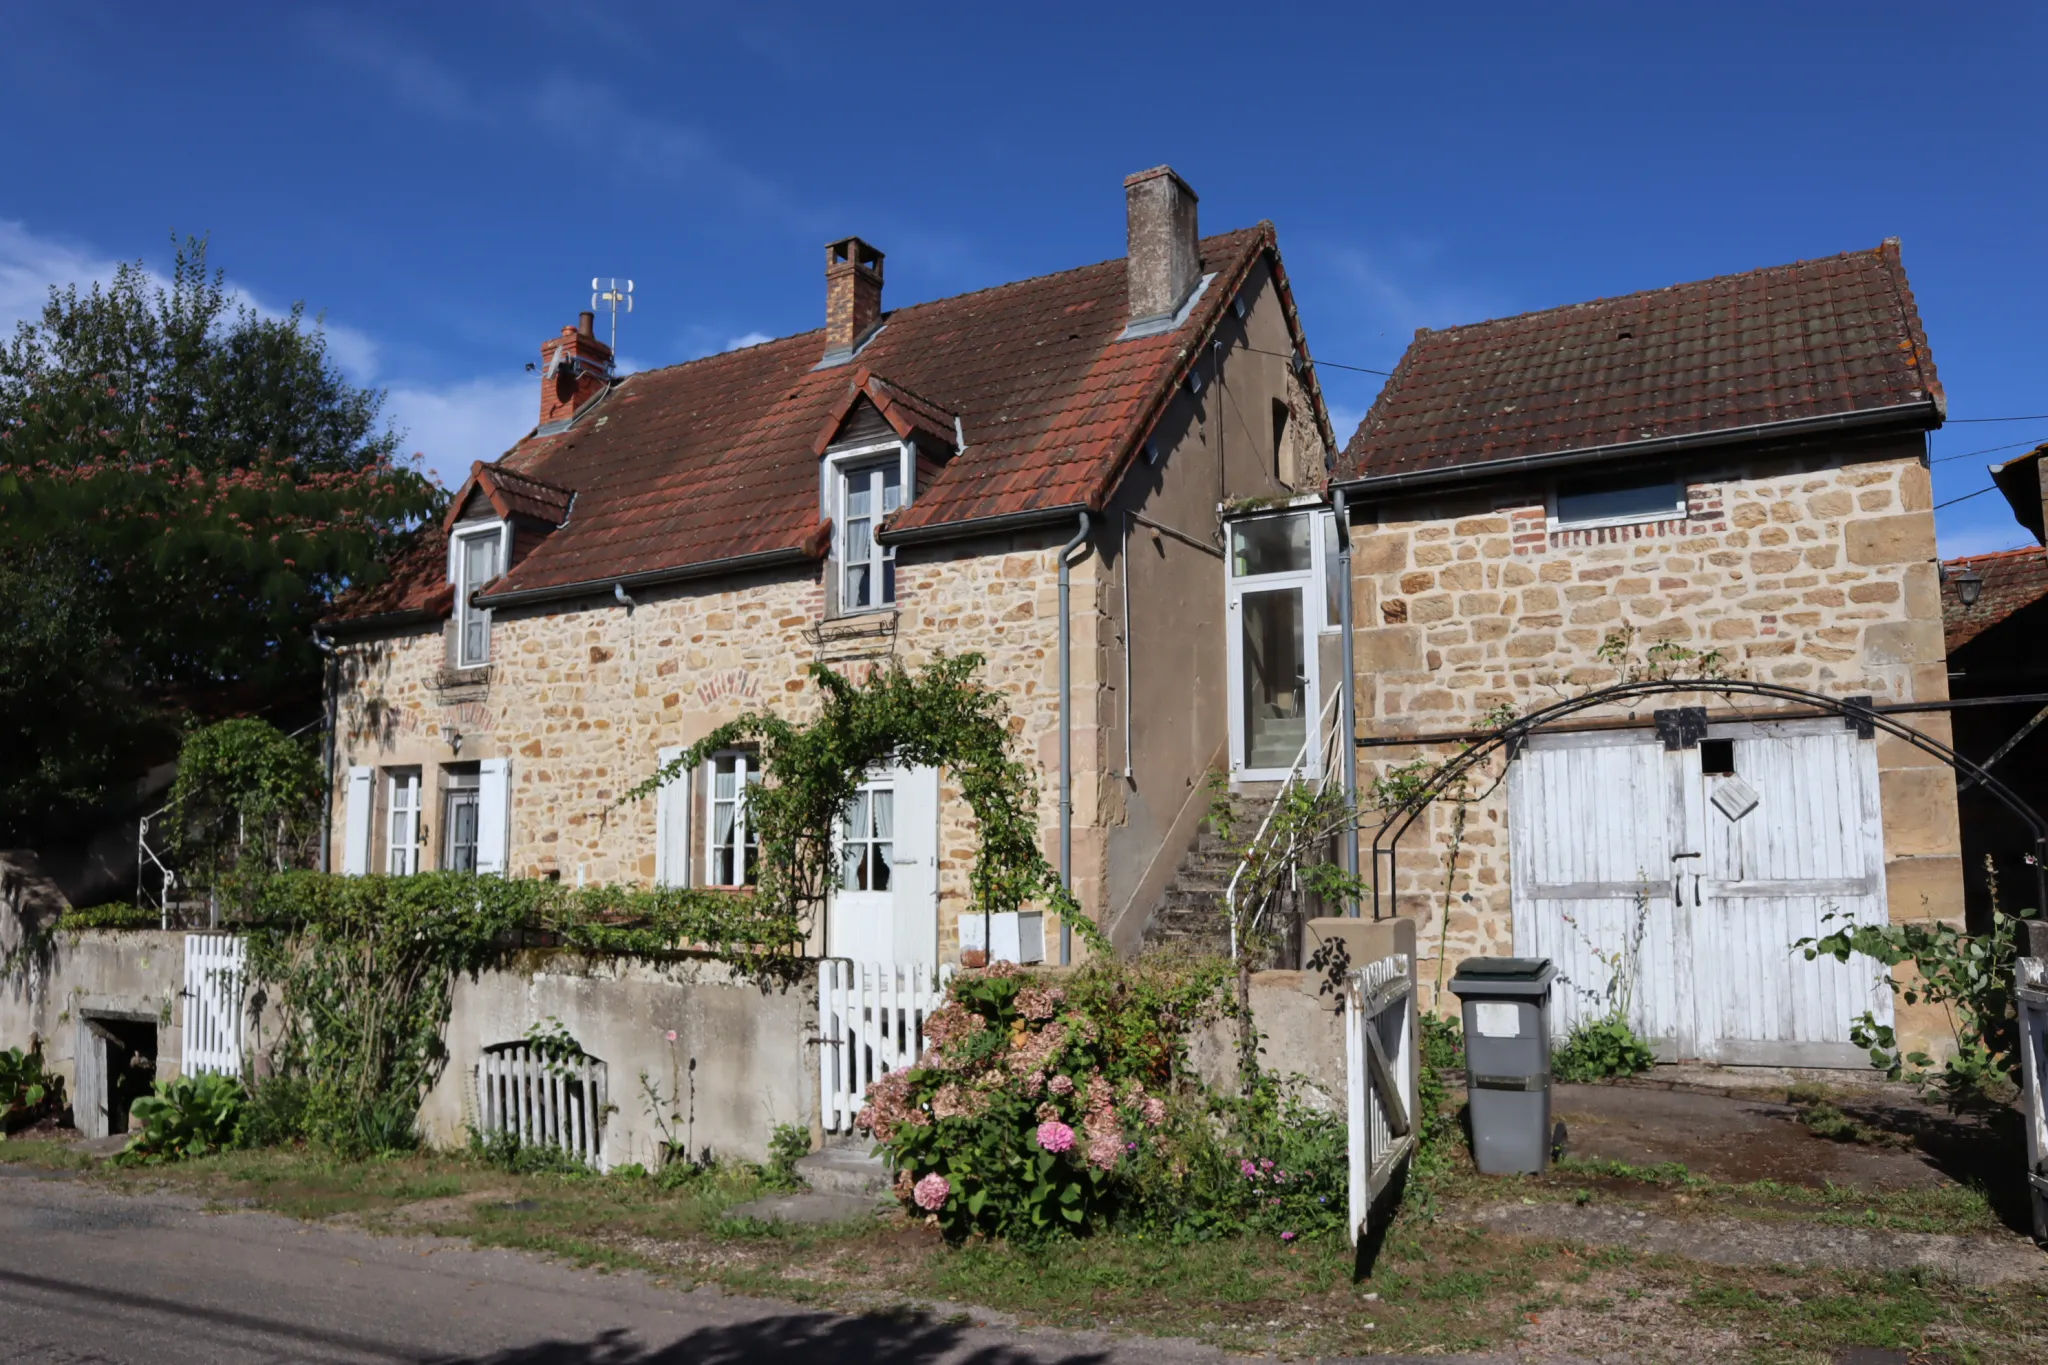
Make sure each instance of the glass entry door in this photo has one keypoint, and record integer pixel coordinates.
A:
(1275, 610)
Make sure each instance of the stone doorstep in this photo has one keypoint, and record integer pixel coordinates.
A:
(844, 1170)
(809, 1207)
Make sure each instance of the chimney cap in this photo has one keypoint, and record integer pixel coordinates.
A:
(853, 251)
(1140, 177)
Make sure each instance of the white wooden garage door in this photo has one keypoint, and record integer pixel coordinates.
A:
(1703, 876)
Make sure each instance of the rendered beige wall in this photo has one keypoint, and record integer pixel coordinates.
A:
(1815, 569)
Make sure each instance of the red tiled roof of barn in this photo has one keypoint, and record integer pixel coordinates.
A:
(1810, 340)
(2013, 580)
(717, 459)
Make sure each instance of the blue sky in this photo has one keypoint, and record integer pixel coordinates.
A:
(442, 181)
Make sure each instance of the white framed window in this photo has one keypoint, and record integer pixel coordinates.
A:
(1615, 502)
(402, 821)
(731, 853)
(1281, 598)
(461, 808)
(867, 838)
(867, 569)
(476, 557)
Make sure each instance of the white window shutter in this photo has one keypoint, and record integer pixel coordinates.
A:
(914, 866)
(355, 847)
(493, 814)
(672, 825)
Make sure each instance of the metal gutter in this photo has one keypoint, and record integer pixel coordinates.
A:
(1007, 521)
(611, 584)
(1347, 710)
(1914, 416)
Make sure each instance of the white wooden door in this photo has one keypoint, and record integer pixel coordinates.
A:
(885, 907)
(1792, 836)
(1624, 850)
(1594, 829)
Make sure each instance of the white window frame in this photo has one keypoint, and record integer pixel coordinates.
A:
(1313, 583)
(883, 781)
(468, 531)
(401, 821)
(832, 505)
(747, 772)
(1676, 512)
(454, 779)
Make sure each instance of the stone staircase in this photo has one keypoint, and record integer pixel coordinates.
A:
(1190, 914)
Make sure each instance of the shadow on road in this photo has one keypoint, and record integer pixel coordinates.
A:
(897, 1340)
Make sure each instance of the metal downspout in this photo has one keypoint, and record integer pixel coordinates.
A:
(327, 670)
(1347, 709)
(1067, 743)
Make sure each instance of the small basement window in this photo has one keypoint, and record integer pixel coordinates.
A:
(1717, 757)
(1616, 504)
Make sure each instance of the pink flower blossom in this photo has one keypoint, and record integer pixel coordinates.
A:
(671, 1035)
(1061, 1085)
(930, 1193)
(1154, 1110)
(1105, 1152)
(1055, 1136)
(1286, 1236)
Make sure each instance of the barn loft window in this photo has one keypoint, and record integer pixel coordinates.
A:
(1610, 503)
(1717, 757)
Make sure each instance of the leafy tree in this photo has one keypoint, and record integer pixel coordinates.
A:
(185, 485)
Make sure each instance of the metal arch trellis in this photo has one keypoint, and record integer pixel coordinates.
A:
(1858, 712)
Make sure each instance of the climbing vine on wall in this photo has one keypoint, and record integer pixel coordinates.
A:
(939, 716)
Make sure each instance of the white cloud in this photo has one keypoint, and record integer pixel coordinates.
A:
(411, 76)
(452, 426)
(740, 343)
(30, 264)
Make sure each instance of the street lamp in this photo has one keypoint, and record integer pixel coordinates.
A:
(1969, 586)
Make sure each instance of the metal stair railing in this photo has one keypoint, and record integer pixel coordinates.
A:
(1324, 735)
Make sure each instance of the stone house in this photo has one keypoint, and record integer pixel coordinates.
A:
(1035, 472)
(1545, 505)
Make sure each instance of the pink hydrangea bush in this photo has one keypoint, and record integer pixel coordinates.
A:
(1026, 1114)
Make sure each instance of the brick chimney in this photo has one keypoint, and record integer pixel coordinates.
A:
(574, 369)
(1164, 262)
(853, 296)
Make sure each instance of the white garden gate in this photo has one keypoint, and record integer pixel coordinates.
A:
(1383, 1074)
(1693, 870)
(870, 1021)
(543, 1101)
(216, 980)
(2031, 995)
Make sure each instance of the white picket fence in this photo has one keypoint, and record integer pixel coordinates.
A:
(216, 976)
(870, 1021)
(546, 1102)
(1382, 1073)
(2032, 997)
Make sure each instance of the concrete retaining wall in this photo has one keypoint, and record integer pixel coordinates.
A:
(128, 975)
(744, 1057)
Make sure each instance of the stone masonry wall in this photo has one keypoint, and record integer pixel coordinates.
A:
(581, 700)
(1815, 570)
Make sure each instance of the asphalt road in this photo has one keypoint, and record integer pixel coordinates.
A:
(89, 1276)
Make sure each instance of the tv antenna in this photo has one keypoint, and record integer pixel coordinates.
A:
(610, 294)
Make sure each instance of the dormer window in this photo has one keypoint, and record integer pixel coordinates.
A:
(866, 493)
(477, 557)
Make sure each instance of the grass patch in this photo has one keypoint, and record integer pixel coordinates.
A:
(1438, 1287)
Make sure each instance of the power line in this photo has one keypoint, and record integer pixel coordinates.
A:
(2037, 417)
(1988, 450)
(1287, 355)
(1966, 497)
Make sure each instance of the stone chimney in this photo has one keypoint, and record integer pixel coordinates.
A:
(574, 369)
(1164, 261)
(853, 297)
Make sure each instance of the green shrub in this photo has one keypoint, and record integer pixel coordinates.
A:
(1599, 1049)
(275, 1114)
(118, 915)
(790, 1145)
(191, 1116)
(27, 1091)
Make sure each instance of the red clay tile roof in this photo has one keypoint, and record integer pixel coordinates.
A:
(2013, 579)
(717, 459)
(1814, 339)
(513, 494)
